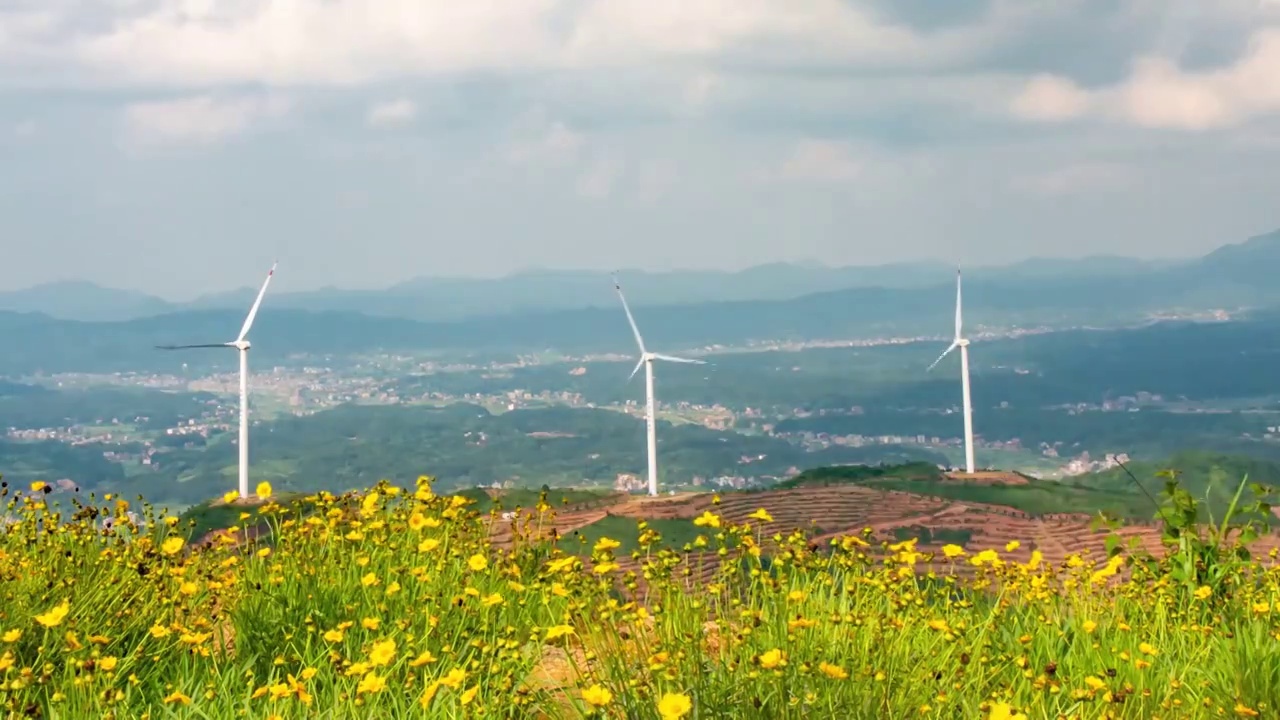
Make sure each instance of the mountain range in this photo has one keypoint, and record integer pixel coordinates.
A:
(911, 301)
(444, 298)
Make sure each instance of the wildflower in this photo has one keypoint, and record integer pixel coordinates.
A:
(771, 659)
(605, 543)
(54, 617)
(1002, 711)
(597, 696)
(1148, 649)
(477, 562)
(952, 551)
(172, 545)
(107, 664)
(38, 486)
(762, 515)
(1203, 592)
(231, 496)
(382, 653)
(177, 697)
(468, 695)
(1012, 545)
(371, 683)
(263, 490)
(12, 636)
(1089, 626)
(370, 623)
(674, 706)
(707, 519)
(1245, 711)
(558, 631)
(835, 672)
(334, 636)
(369, 580)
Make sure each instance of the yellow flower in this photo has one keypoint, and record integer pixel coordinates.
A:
(558, 631)
(771, 659)
(1203, 592)
(1147, 649)
(835, 672)
(12, 636)
(762, 515)
(370, 623)
(382, 653)
(54, 617)
(369, 580)
(477, 562)
(107, 663)
(1089, 626)
(491, 600)
(334, 636)
(177, 697)
(597, 696)
(39, 485)
(263, 490)
(469, 694)
(707, 519)
(674, 706)
(231, 497)
(371, 683)
(1012, 545)
(172, 545)
(952, 551)
(1094, 683)
(605, 543)
(1245, 711)
(1002, 711)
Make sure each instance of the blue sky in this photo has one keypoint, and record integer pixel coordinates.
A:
(178, 146)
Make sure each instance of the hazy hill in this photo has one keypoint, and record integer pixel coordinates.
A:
(445, 298)
(83, 300)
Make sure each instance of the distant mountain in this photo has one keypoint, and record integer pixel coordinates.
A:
(82, 300)
(445, 298)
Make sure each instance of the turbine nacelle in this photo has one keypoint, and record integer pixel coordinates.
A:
(242, 345)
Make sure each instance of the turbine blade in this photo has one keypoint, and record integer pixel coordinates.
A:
(958, 336)
(946, 352)
(638, 366)
(673, 358)
(188, 347)
(630, 319)
(253, 312)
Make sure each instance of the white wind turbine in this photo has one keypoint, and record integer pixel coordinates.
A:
(241, 344)
(646, 360)
(961, 342)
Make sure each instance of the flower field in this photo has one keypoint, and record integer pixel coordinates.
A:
(399, 603)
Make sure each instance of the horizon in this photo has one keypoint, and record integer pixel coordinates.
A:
(813, 264)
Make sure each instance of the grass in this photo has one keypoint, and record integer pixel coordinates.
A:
(397, 604)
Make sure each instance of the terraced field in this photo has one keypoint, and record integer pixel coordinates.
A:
(825, 513)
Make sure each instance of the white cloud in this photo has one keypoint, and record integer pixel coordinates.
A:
(819, 161)
(392, 112)
(1159, 94)
(185, 43)
(1050, 98)
(200, 119)
(1084, 177)
(599, 178)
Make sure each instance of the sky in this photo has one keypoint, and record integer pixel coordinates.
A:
(180, 146)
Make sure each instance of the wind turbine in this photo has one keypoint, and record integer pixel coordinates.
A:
(961, 342)
(646, 360)
(242, 345)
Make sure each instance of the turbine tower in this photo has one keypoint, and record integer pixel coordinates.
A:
(241, 344)
(646, 360)
(961, 342)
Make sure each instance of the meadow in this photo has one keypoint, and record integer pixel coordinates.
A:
(402, 603)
